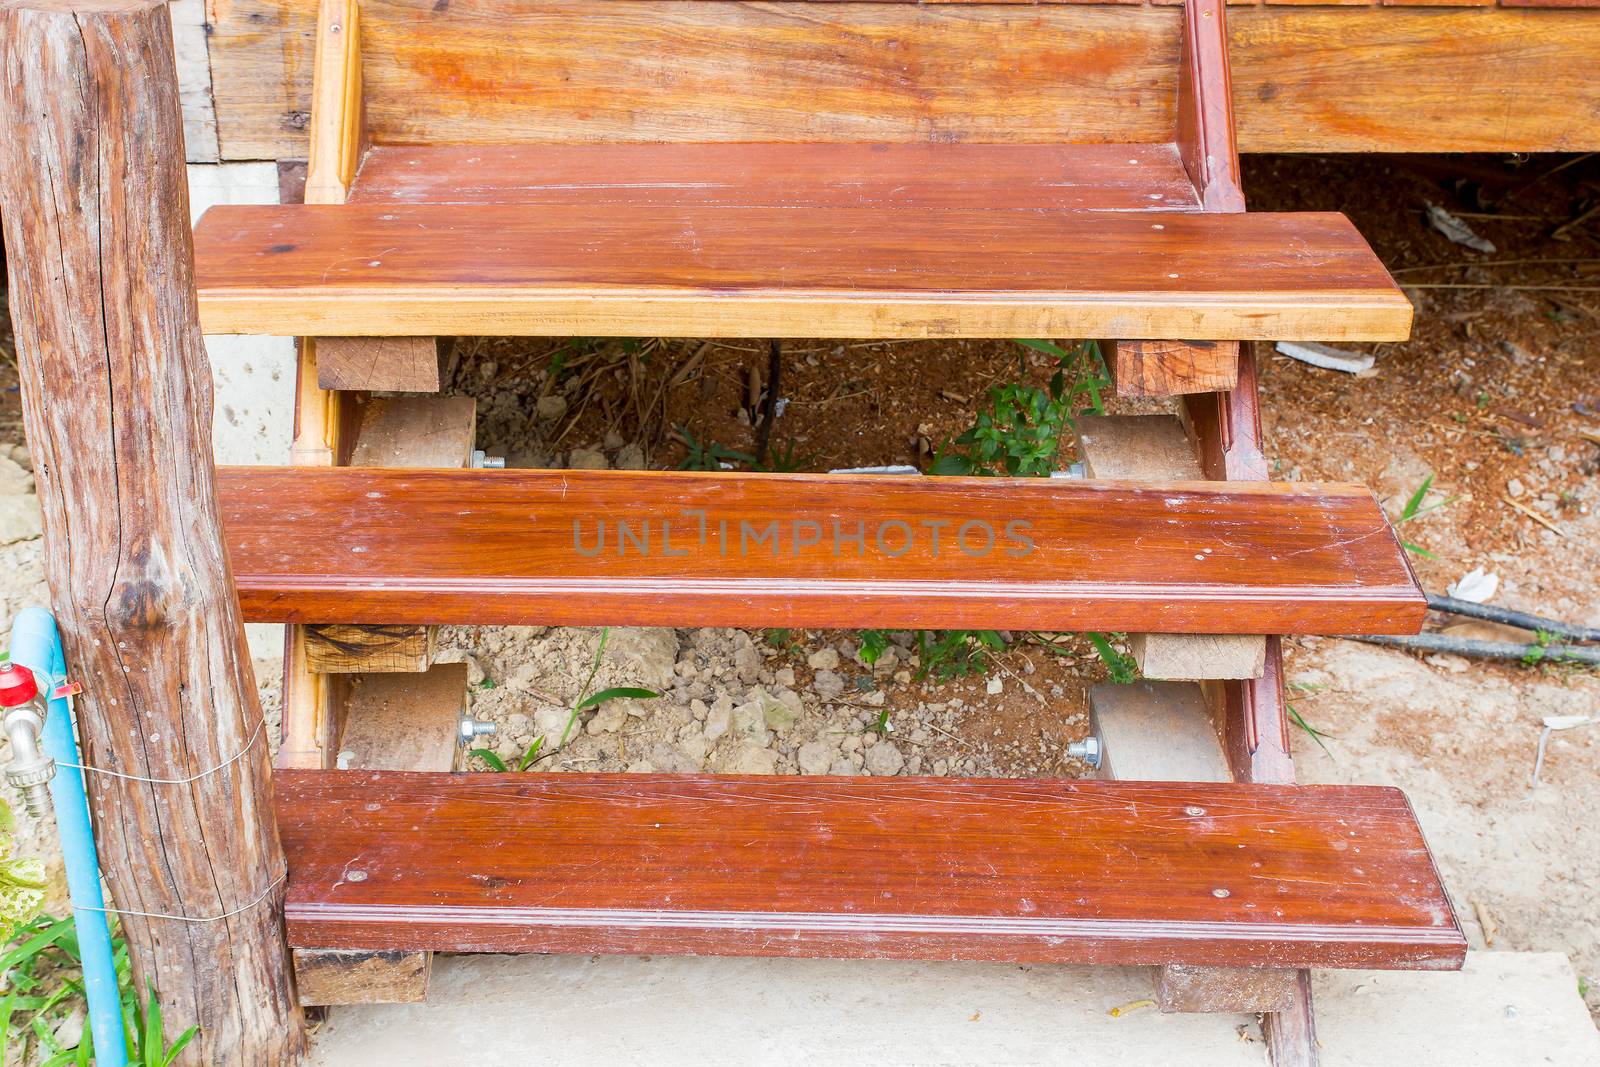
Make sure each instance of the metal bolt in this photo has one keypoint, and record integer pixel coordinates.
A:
(482, 459)
(1088, 750)
(472, 729)
(1194, 810)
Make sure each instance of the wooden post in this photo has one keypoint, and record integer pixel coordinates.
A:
(117, 402)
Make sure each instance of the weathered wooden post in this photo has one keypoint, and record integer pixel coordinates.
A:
(117, 402)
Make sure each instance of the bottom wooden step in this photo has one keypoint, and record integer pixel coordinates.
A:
(1042, 871)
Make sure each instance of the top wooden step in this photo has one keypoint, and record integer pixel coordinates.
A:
(695, 269)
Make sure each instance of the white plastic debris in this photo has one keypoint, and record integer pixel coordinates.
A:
(1553, 723)
(1456, 230)
(1477, 586)
(1326, 356)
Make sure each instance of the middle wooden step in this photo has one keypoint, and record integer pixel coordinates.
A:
(659, 548)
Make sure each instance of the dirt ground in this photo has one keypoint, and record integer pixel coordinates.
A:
(1496, 397)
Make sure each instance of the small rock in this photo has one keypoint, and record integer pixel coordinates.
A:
(630, 458)
(747, 759)
(22, 457)
(791, 700)
(14, 478)
(720, 718)
(1514, 488)
(587, 459)
(843, 767)
(20, 519)
(551, 407)
(550, 723)
(828, 685)
(914, 764)
(816, 757)
(518, 724)
(826, 659)
(608, 718)
(695, 747)
(941, 767)
(780, 717)
(995, 685)
(750, 720)
(698, 709)
(746, 659)
(612, 442)
(885, 759)
(784, 676)
(642, 766)
(875, 698)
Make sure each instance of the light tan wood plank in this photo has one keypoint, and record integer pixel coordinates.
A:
(379, 364)
(333, 648)
(1155, 448)
(355, 976)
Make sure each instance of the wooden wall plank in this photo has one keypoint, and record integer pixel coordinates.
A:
(1305, 79)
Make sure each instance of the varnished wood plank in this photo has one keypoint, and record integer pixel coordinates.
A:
(1305, 79)
(653, 548)
(1205, 136)
(1141, 369)
(443, 269)
(1044, 871)
(1131, 177)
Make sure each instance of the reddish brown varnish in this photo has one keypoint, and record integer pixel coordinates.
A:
(580, 548)
(433, 268)
(987, 177)
(1043, 871)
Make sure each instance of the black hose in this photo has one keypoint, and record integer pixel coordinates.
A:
(1461, 646)
(769, 406)
(1520, 619)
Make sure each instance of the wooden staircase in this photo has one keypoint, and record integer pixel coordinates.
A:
(625, 229)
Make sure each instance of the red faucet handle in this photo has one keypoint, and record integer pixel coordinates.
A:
(17, 686)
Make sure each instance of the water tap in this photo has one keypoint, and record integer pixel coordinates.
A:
(30, 769)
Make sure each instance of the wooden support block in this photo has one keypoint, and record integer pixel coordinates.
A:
(1171, 368)
(1156, 732)
(392, 722)
(1157, 448)
(354, 976)
(415, 431)
(1224, 989)
(404, 722)
(1198, 657)
(380, 364)
(1140, 448)
(1163, 732)
(335, 648)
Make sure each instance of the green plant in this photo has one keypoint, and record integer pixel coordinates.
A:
(43, 985)
(1123, 668)
(1019, 434)
(947, 654)
(709, 456)
(1415, 509)
(1315, 734)
(784, 462)
(781, 638)
(881, 725)
(586, 700)
(873, 644)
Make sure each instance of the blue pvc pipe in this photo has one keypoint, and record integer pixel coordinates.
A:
(36, 645)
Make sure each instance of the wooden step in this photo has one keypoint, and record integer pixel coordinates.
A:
(1028, 177)
(1041, 871)
(710, 270)
(659, 548)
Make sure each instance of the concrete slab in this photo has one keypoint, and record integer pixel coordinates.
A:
(503, 1010)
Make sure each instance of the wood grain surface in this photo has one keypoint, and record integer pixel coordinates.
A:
(1126, 177)
(117, 402)
(1043, 871)
(1305, 79)
(698, 270)
(581, 548)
